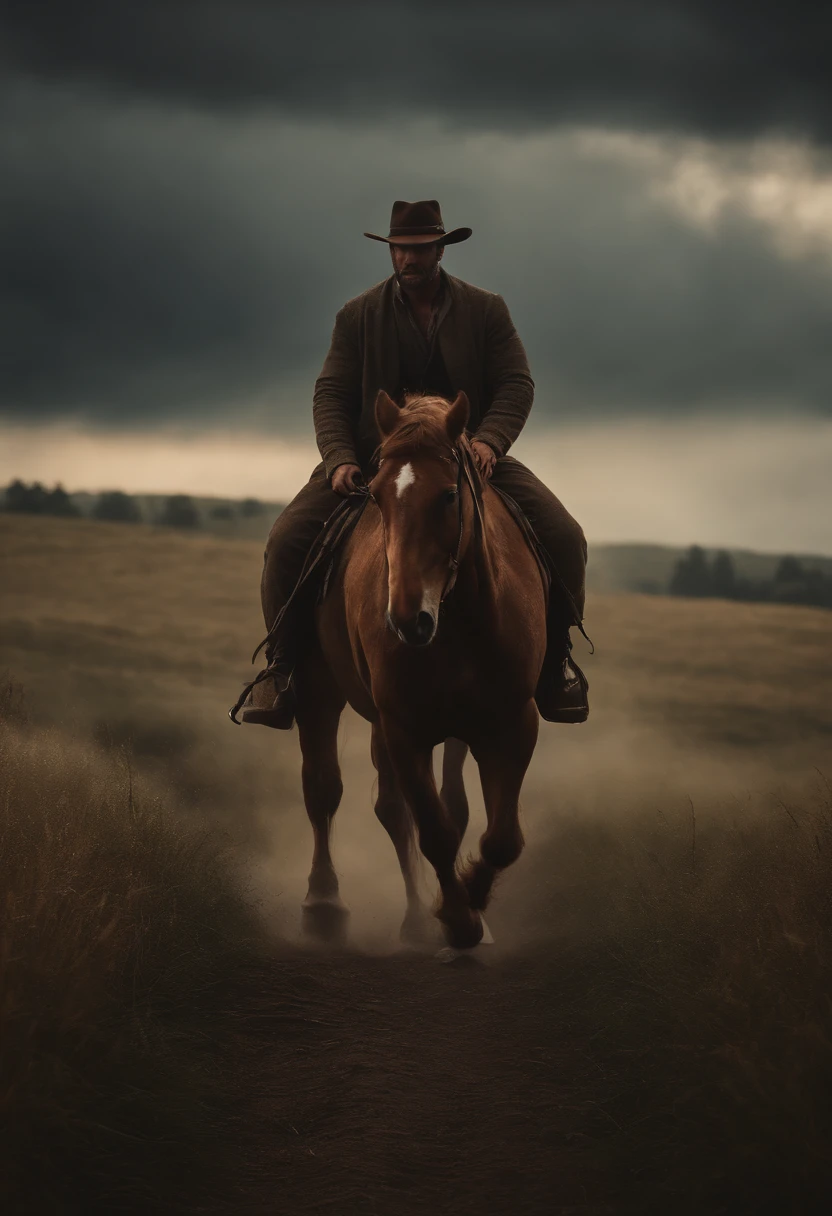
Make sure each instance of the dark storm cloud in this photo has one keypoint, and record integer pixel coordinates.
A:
(707, 66)
(183, 187)
(162, 265)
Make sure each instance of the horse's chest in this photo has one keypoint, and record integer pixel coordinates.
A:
(437, 678)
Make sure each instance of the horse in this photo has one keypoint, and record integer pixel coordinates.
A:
(433, 628)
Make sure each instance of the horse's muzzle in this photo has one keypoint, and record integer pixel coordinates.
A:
(419, 631)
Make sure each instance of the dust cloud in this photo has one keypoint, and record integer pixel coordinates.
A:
(620, 781)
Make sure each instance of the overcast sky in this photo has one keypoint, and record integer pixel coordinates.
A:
(183, 189)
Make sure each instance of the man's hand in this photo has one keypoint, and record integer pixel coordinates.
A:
(344, 477)
(485, 457)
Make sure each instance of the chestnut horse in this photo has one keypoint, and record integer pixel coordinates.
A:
(434, 630)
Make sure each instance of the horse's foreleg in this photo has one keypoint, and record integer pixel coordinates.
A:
(394, 816)
(319, 707)
(453, 785)
(439, 837)
(503, 760)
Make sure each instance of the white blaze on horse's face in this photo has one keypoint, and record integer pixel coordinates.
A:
(405, 478)
(417, 553)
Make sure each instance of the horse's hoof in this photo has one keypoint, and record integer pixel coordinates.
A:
(454, 954)
(448, 954)
(464, 933)
(325, 920)
(461, 958)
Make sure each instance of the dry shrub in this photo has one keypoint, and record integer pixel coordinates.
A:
(119, 927)
(703, 950)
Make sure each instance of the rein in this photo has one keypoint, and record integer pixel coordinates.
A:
(463, 459)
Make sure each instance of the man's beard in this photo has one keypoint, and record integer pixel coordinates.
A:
(421, 278)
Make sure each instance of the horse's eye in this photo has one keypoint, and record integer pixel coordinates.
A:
(450, 495)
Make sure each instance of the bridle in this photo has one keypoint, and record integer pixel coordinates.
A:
(463, 461)
(453, 558)
(461, 457)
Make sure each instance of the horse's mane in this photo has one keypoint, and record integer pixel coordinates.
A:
(421, 425)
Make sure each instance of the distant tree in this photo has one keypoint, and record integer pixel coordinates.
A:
(35, 500)
(692, 575)
(15, 496)
(789, 570)
(26, 500)
(794, 583)
(250, 507)
(117, 506)
(791, 583)
(223, 510)
(179, 512)
(723, 576)
(58, 502)
(819, 586)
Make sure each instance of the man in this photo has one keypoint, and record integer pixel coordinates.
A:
(423, 331)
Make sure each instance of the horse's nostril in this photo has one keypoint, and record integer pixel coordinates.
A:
(417, 631)
(424, 626)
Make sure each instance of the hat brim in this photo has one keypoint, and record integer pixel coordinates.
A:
(447, 238)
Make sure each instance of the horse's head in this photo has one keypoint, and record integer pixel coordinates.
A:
(417, 488)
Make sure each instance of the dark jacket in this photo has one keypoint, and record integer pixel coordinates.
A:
(481, 351)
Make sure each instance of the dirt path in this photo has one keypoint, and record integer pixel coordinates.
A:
(398, 1085)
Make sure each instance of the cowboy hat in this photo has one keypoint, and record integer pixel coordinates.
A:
(419, 224)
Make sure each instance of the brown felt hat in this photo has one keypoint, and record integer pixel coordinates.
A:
(419, 224)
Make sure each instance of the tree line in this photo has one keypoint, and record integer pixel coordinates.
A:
(694, 575)
(792, 582)
(175, 511)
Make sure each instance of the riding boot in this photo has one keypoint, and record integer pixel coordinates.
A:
(562, 690)
(272, 701)
(280, 714)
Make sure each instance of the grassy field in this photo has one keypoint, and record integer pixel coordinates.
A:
(120, 924)
(654, 1030)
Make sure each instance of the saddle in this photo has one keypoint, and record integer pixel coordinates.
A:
(313, 584)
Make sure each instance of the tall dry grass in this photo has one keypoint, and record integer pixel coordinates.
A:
(120, 927)
(700, 955)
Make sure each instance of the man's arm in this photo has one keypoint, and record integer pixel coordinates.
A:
(337, 398)
(507, 378)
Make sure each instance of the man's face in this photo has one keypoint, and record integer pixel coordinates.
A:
(415, 266)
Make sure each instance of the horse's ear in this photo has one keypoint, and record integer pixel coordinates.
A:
(456, 418)
(387, 413)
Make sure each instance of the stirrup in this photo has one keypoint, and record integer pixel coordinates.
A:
(563, 694)
(280, 714)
